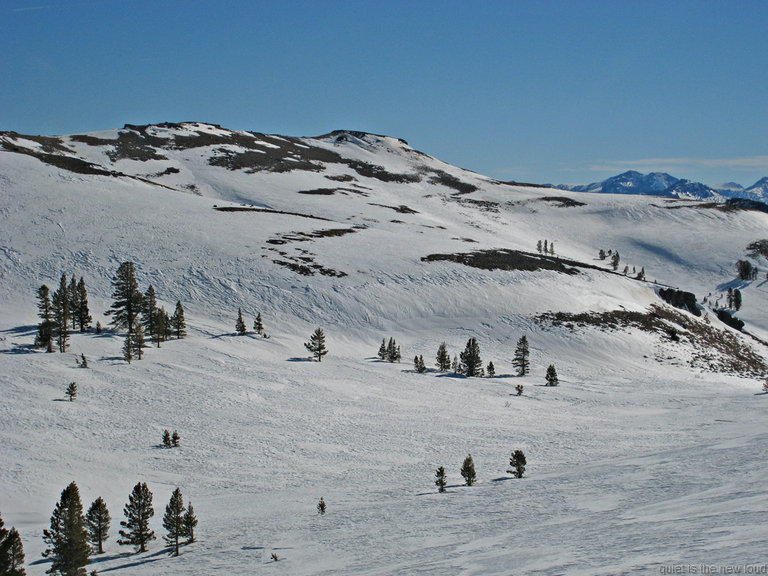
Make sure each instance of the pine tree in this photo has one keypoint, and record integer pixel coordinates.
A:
(240, 324)
(538, 246)
(471, 363)
(418, 363)
(551, 376)
(128, 348)
(173, 521)
(382, 354)
(138, 341)
(729, 298)
(520, 360)
(321, 506)
(61, 314)
(316, 344)
(126, 308)
(468, 470)
(97, 521)
(45, 313)
(178, 324)
(11, 554)
(440, 480)
(190, 522)
(83, 312)
(546, 249)
(67, 537)
(519, 389)
(165, 324)
(737, 299)
(138, 512)
(175, 439)
(150, 315)
(455, 364)
(167, 439)
(601, 254)
(641, 274)
(393, 351)
(517, 464)
(491, 370)
(615, 260)
(258, 325)
(74, 301)
(443, 359)
(71, 391)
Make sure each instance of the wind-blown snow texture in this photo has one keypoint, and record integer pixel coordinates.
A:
(649, 453)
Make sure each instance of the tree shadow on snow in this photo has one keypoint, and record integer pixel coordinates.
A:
(300, 359)
(20, 349)
(28, 330)
(147, 559)
(503, 478)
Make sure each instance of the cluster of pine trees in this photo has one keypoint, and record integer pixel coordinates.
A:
(74, 536)
(517, 463)
(546, 248)
(389, 351)
(139, 314)
(68, 304)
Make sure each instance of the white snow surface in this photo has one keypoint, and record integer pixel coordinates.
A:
(637, 462)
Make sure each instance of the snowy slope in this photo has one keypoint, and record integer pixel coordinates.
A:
(642, 435)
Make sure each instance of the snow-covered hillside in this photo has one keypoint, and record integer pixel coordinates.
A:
(647, 454)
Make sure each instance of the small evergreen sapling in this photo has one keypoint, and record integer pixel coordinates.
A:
(418, 362)
(519, 389)
(71, 391)
(517, 464)
(468, 470)
(240, 324)
(440, 480)
(167, 439)
(258, 325)
(316, 344)
(321, 506)
(382, 353)
(175, 439)
(491, 370)
(551, 376)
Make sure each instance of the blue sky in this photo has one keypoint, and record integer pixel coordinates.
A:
(545, 91)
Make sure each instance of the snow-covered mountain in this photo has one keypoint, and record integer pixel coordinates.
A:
(656, 421)
(663, 184)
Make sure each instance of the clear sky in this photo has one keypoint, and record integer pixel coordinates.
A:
(536, 91)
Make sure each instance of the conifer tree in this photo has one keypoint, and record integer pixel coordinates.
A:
(321, 506)
(491, 370)
(173, 521)
(517, 464)
(552, 248)
(74, 301)
(455, 364)
(737, 299)
(138, 512)
(3, 535)
(126, 308)
(316, 344)
(546, 249)
(45, 313)
(551, 376)
(165, 324)
(167, 439)
(601, 254)
(138, 341)
(13, 555)
(258, 325)
(615, 260)
(175, 439)
(471, 363)
(190, 522)
(440, 480)
(393, 351)
(128, 348)
(150, 315)
(538, 246)
(61, 314)
(468, 470)
(418, 364)
(240, 324)
(443, 359)
(729, 297)
(97, 521)
(71, 391)
(382, 354)
(178, 324)
(520, 360)
(67, 537)
(519, 389)
(83, 312)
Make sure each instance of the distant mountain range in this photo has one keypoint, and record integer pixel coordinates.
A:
(663, 184)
